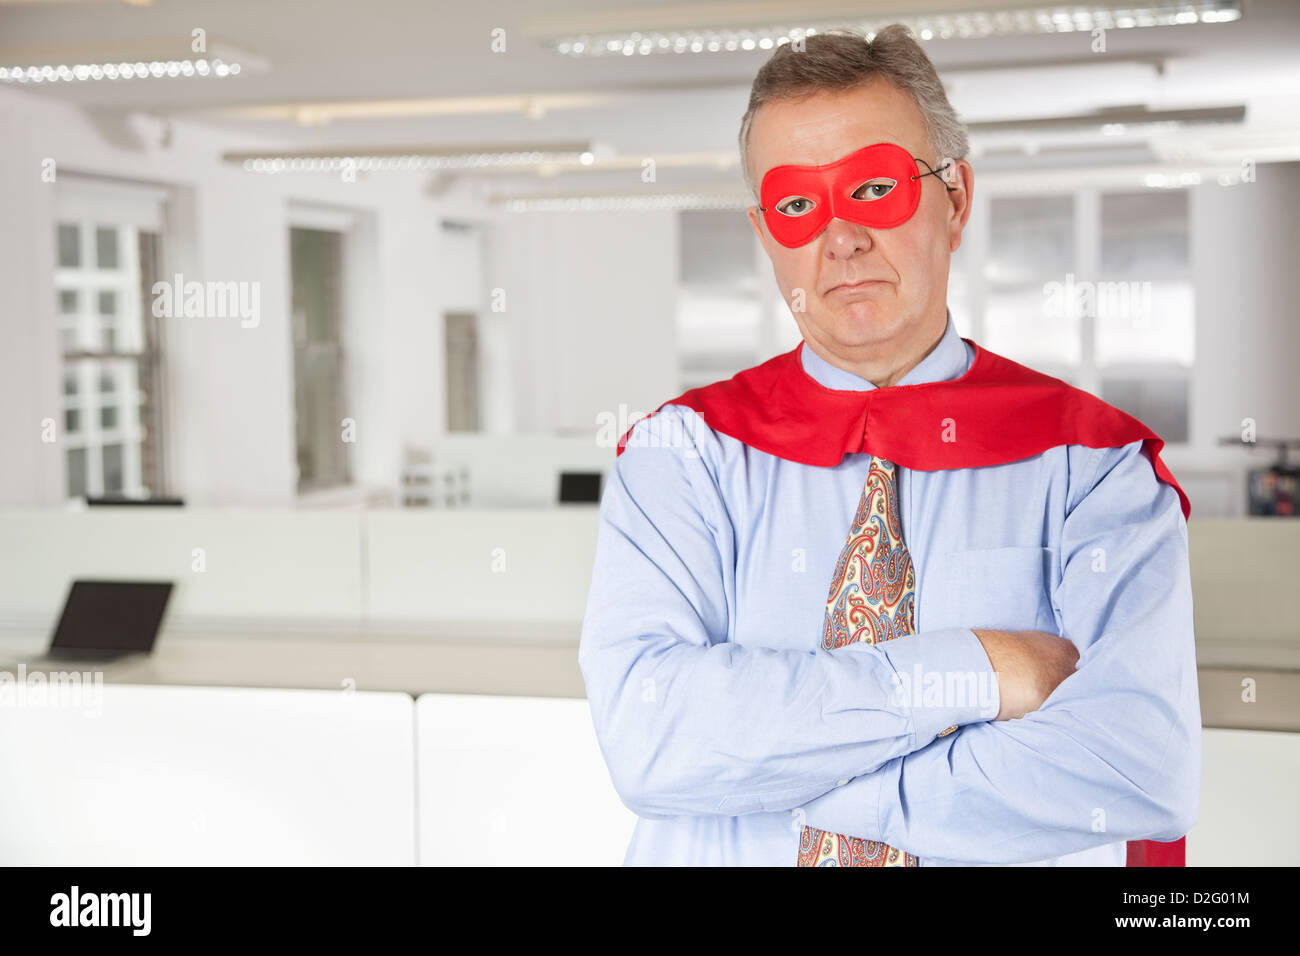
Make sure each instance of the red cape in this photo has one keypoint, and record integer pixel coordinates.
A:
(999, 411)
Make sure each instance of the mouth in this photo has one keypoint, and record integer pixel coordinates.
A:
(852, 286)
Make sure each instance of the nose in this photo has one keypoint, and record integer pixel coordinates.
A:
(846, 239)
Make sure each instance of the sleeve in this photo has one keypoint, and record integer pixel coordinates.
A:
(692, 723)
(1115, 752)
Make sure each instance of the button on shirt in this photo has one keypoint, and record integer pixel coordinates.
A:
(727, 727)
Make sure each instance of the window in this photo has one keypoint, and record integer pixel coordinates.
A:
(721, 315)
(108, 249)
(1092, 287)
(462, 372)
(1145, 329)
(316, 262)
(1031, 243)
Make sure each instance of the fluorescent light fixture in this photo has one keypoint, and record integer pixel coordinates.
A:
(533, 105)
(139, 70)
(140, 58)
(625, 202)
(1114, 122)
(1179, 180)
(1063, 180)
(405, 159)
(942, 26)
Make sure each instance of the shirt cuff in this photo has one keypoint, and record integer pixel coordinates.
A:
(852, 808)
(942, 679)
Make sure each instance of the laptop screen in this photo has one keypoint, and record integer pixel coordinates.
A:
(112, 615)
(581, 486)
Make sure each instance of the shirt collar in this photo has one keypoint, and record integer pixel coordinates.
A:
(950, 359)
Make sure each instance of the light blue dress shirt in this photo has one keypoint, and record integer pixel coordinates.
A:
(726, 727)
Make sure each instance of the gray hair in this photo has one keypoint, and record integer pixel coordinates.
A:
(841, 60)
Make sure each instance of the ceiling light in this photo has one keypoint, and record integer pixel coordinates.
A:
(1112, 122)
(1172, 180)
(371, 160)
(634, 202)
(965, 25)
(81, 72)
(531, 104)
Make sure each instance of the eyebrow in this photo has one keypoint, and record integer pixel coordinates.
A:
(880, 142)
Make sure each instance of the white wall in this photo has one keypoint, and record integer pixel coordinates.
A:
(29, 386)
(230, 388)
(1247, 335)
(595, 295)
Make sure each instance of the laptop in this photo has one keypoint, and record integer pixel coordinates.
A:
(119, 502)
(579, 486)
(108, 620)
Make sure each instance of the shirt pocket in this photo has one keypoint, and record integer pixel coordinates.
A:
(1000, 588)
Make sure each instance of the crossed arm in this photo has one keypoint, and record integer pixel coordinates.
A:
(693, 724)
(1113, 753)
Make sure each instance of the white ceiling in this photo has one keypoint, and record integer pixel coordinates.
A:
(331, 51)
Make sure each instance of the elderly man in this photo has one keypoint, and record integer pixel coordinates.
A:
(1002, 669)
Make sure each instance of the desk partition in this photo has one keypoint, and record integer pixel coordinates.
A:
(502, 566)
(236, 565)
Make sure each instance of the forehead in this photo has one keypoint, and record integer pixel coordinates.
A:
(821, 128)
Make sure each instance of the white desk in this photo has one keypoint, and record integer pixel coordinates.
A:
(209, 776)
(215, 776)
(515, 781)
(455, 659)
(1250, 800)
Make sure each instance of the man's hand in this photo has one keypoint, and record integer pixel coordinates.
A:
(1029, 665)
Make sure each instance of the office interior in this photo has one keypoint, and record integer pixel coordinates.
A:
(332, 318)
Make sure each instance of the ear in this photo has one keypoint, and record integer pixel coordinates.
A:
(959, 201)
(756, 221)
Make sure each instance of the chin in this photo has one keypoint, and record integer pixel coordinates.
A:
(861, 323)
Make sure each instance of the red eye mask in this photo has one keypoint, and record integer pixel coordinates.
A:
(839, 190)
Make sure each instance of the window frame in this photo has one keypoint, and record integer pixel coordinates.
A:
(133, 212)
(1087, 225)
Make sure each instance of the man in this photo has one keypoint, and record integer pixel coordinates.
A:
(1003, 670)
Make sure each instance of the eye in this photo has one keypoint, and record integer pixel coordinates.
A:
(873, 189)
(795, 206)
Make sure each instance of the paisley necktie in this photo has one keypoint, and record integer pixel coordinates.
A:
(872, 598)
